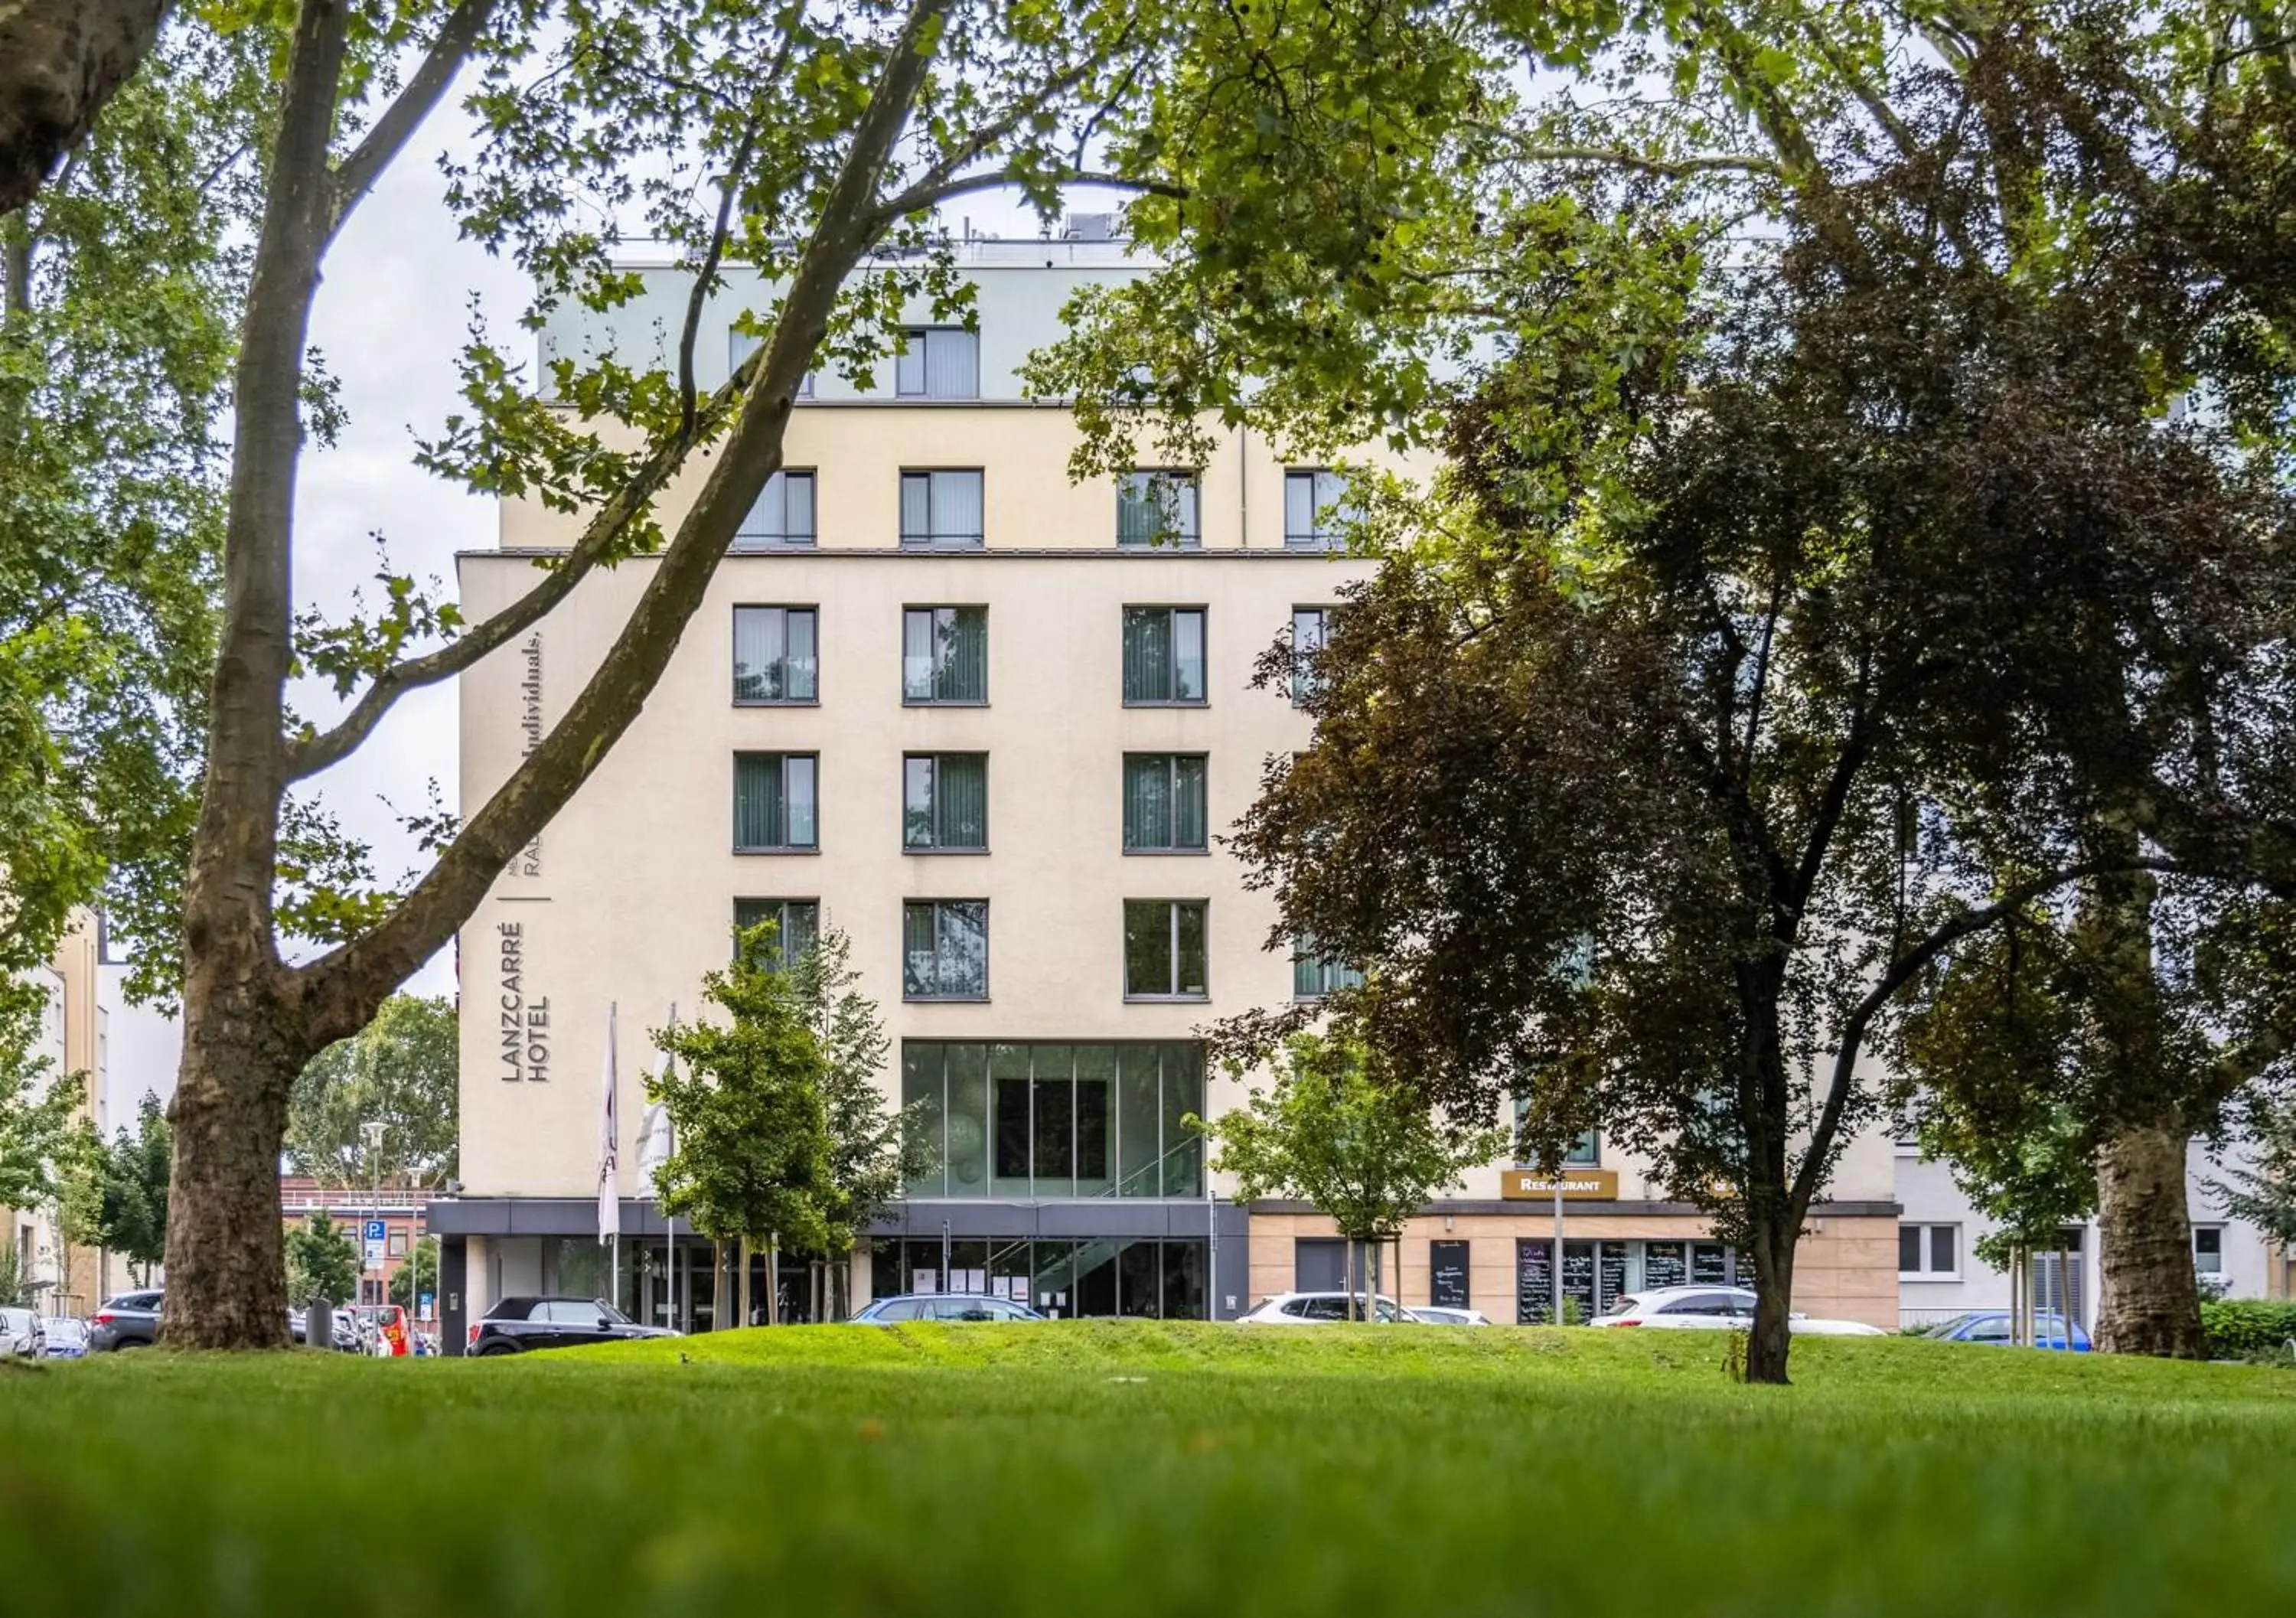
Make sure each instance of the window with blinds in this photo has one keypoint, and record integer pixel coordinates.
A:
(945, 655)
(776, 656)
(944, 949)
(1164, 803)
(795, 923)
(1318, 509)
(945, 801)
(1157, 507)
(783, 517)
(1163, 656)
(1165, 951)
(1315, 974)
(773, 801)
(938, 362)
(941, 508)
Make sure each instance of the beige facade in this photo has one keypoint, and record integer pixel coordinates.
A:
(72, 1042)
(628, 897)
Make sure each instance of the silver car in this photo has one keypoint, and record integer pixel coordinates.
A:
(1323, 1309)
(20, 1333)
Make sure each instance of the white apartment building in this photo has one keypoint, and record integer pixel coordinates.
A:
(991, 723)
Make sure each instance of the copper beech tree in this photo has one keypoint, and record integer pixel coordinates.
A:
(811, 141)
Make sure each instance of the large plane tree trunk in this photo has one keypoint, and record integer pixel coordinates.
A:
(61, 60)
(2149, 1299)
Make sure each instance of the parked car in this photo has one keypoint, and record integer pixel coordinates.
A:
(1717, 1308)
(345, 1334)
(20, 1333)
(1323, 1309)
(517, 1325)
(127, 1320)
(1438, 1314)
(943, 1306)
(67, 1339)
(1993, 1325)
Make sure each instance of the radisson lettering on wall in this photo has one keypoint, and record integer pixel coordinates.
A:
(525, 1019)
(528, 861)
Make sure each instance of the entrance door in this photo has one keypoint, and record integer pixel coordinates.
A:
(1319, 1264)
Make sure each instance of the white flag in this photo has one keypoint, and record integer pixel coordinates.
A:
(610, 1203)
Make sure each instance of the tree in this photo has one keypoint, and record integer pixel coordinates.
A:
(418, 1275)
(37, 1109)
(322, 1261)
(873, 1153)
(812, 145)
(137, 1177)
(402, 1071)
(752, 1161)
(1339, 1130)
(61, 60)
(12, 1279)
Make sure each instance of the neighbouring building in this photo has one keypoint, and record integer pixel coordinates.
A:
(67, 1278)
(990, 723)
(356, 1211)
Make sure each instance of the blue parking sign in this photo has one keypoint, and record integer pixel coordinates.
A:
(375, 1231)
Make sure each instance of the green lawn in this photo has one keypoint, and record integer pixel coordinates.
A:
(1103, 1468)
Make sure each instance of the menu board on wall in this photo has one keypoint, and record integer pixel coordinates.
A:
(1448, 1283)
(1579, 1277)
(1610, 1277)
(1533, 1281)
(1664, 1264)
(1710, 1263)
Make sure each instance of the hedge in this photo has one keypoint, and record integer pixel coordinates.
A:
(2239, 1327)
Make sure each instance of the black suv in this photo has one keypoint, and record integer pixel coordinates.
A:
(127, 1320)
(516, 1325)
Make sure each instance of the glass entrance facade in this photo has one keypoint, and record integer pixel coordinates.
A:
(1144, 1278)
(1036, 1123)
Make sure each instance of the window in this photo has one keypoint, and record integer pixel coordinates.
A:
(1157, 508)
(938, 362)
(1053, 1120)
(1317, 509)
(1164, 949)
(1315, 975)
(782, 516)
(1310, 626)
(1164, 803)
(945, 655)
(944, 949)
(945, 800)
(1929, 1252)
(941, 508)
(396, 1247)
(2208, 1250)
(797, 923)
(1163, 655)
(1584, 1152)
(773, 803)
(775, 656)
(740, 345)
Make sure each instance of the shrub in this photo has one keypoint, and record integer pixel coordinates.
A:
(2237, 1328)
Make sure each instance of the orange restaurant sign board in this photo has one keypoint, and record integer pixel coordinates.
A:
(1535, 1185)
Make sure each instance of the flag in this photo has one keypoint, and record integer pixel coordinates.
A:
(610, 1203)
(657, 1138)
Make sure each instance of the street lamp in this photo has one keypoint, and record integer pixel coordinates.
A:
(373, 1132)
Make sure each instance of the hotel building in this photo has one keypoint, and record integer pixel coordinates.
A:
(991, 723)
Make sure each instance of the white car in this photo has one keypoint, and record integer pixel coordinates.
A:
(1322, 1309)
(1438, 1314)
(20, 1333)
(1717, 1309)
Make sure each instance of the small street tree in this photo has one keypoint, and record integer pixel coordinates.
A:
(322, 1261)
(1339, 1130)
(873, 1153)
(752, 1162)
(136, 1176)
(417, 1277)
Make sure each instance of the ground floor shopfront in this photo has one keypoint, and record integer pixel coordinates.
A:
(1500, 1257)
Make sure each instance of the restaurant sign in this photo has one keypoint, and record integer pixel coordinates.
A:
(1535, 1185)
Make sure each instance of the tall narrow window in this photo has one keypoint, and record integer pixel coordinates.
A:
(1164, 953)
(944, 949)
(945, 655)
(783, 516)
(941, 508)
(1163, 655)
(1315, 974)
(797, 924)
(1164, 803)
(776, 656)
(945, 800)
(1317, 508)
(938, 362)
(1311, 628)
(774, 806)
(1157, 508)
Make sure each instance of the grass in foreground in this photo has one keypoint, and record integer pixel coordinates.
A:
(1103, 1468)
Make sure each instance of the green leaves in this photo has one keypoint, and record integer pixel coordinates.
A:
(401, 1071)
(322, 1261)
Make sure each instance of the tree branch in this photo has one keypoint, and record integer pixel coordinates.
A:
(708, 273)
(1642, 162)
(971, 150)
(920, 197)
(357, 173)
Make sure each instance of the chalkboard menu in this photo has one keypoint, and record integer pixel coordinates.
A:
(1710, 1263)
(1533, 1281)
(1663, 1265)
(1579, 1277)
(1610, 1277)
(1447, 1287)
